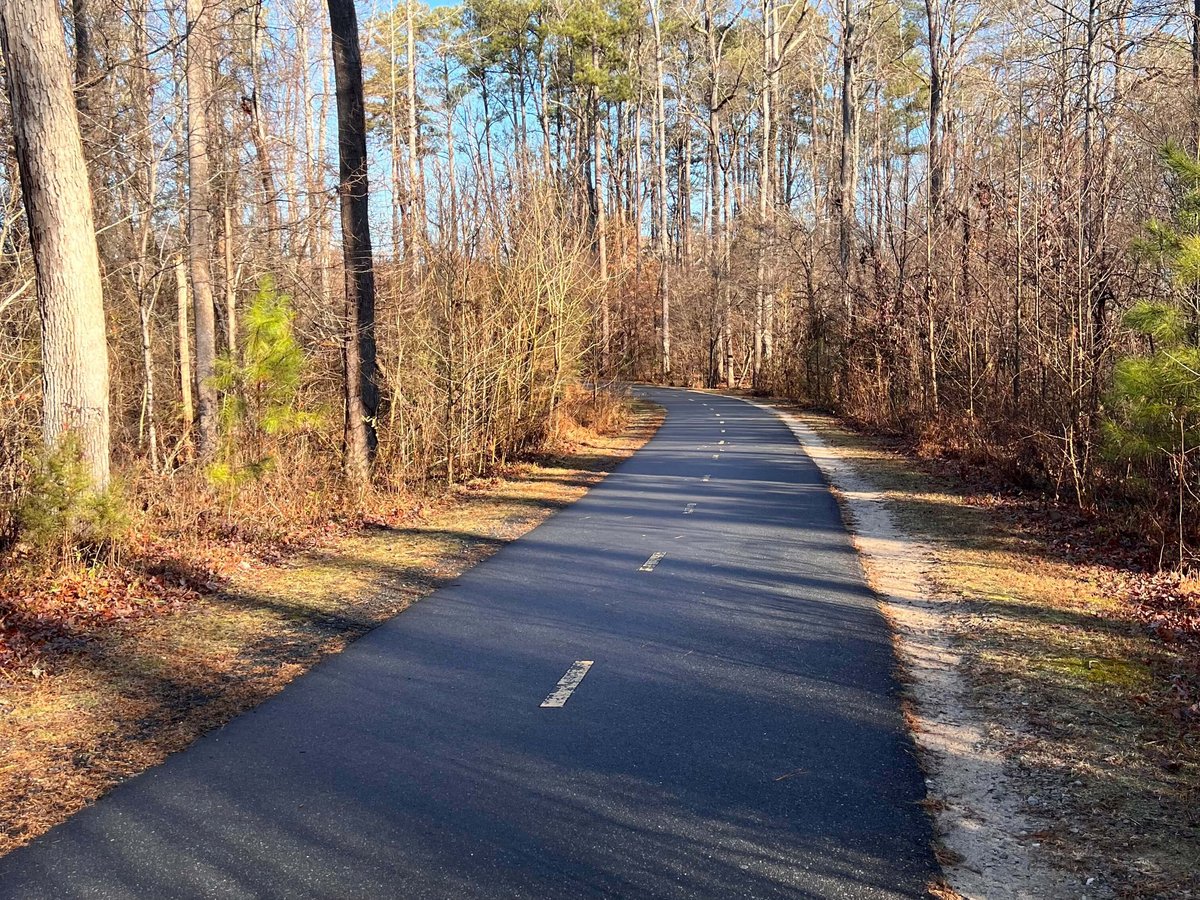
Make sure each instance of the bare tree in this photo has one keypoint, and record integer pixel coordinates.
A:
(200, 244)
(660, 147)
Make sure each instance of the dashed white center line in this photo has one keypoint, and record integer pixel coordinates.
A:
(689, 509)
(567, 684)
(654, 560)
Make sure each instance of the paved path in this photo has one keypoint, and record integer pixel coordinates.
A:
(738, 733)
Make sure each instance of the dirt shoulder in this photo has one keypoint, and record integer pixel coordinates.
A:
(1056, 766)
(123, 698)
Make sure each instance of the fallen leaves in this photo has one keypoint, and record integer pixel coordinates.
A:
(1167, 603)
(44, 615)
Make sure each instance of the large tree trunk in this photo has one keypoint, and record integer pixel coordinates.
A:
(200, 244)
(361, 388)
(62, 233)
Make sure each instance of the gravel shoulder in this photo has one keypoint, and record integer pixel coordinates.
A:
(1050, 773)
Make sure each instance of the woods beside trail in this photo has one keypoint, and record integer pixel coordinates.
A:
(379, 242)
(273, 269)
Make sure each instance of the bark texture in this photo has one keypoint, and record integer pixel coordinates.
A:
(361, 385)
(62, 234)
(200, 243)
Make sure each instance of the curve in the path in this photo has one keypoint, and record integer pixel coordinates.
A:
(737, 733)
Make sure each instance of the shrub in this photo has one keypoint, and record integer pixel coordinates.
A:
(60, 513)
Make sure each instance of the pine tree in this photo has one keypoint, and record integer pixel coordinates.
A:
(1154, 418)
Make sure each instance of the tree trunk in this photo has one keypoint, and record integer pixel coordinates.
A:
(848, 153)
(601, 224)
(661, 148)
(358, 355)
(142, 224)
(416, 188)
(266, 177)
(933, 19)
(62, 233)
(400, 210)
(258, 136)
(200, 244)
(1196, 77)
(230, 283)
(145, 311)
(185, 353)
(764, 193)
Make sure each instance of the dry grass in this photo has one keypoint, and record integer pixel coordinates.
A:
(1071, 687)
(124, 699)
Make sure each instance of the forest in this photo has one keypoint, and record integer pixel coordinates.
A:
(342, 251)
(309, 306)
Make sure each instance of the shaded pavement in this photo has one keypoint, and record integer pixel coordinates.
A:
(738, 733)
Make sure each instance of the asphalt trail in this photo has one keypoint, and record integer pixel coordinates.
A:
(737, 734)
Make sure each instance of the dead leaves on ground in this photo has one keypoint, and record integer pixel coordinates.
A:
(42, 615)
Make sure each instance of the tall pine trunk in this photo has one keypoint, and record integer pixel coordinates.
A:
(358, 354)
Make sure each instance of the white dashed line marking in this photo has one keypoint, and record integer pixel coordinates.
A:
(689, 509)
(654, 560)
(567, 684)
